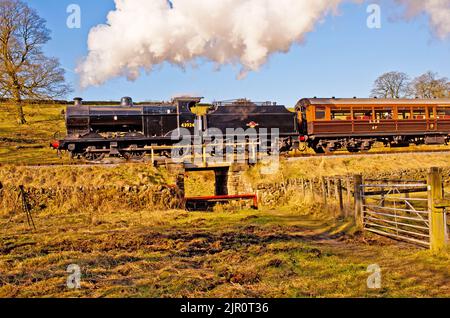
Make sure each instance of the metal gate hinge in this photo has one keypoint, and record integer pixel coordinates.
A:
(442, 204)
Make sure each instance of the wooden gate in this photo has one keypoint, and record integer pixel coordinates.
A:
(398, 209)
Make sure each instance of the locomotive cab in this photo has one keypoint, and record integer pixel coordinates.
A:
(188, 121)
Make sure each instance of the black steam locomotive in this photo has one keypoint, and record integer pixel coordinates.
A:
(132, 131)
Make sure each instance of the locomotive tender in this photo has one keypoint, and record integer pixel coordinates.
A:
(324, 125)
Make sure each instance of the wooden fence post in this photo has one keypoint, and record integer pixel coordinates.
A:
(180, 184)
(336, 189)
(329, 187)
(358, 180)
(349, 196)
(438, 226)
(340, 197)
(324, 191)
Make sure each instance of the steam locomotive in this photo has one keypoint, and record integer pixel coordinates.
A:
(323, 125)
(132, 131)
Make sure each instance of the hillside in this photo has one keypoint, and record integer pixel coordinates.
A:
(29, 143)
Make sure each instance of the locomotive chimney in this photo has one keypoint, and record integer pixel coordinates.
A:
(78, 101)
(126, 102)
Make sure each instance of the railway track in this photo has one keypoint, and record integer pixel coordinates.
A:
(116, 162)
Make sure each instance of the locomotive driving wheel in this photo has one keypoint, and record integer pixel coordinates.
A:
(133, 155)
(353, 149)
(93, 156)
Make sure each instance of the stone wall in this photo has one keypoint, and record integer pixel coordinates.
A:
(92, 198)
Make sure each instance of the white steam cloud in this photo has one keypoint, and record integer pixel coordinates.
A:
(438, 11)
(144, 34)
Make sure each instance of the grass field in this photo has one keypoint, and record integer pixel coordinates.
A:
(178, 254)
(29, 143)
(295, 250)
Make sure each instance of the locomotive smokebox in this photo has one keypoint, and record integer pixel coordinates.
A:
(78, 101)
(126, 102)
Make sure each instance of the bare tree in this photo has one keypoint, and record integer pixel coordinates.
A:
(429, 85)
(25, 72)
(391, 85)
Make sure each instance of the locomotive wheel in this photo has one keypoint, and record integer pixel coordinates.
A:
(353, 149)
(93, 156)
(134, 155)
(319, 150)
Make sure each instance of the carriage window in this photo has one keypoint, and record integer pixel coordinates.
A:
(431, 114)
(320, 113)
(362, 114)
(443, 113)
(341, 115)
(419, 114)
(404, 113)
(383, 114)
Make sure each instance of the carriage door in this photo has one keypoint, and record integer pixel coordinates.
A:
(363, 120)
(431, 118)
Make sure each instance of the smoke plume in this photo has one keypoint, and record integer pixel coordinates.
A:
(437, 10)
(144, 34)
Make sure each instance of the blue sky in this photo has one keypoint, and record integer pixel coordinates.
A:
(341, 58)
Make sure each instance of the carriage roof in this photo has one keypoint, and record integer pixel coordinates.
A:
(341, 102)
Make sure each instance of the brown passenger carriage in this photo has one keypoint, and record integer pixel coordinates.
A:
(356, 124)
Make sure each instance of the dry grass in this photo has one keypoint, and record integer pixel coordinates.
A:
(373, 166)
(178, 254)
(68, 176)
(29, 143)
(296, 250)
